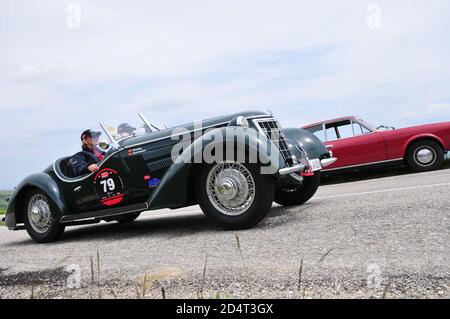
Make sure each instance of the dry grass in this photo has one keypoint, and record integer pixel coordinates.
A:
(149, 282)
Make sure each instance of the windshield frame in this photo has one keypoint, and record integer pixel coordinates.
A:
(366, 124)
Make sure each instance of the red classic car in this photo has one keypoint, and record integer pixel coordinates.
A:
(357, 143)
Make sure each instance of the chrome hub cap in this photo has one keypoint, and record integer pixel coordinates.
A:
(39, 213)
(227, 188)
(230, 188)
(425, 156)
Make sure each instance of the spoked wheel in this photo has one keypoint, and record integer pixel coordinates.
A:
(425, 155)
(235, 195)
(39, 220)
(297, 195)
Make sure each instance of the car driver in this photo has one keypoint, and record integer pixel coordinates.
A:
(86, 161)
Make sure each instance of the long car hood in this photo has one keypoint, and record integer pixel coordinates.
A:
(218, 121)
(426, 128)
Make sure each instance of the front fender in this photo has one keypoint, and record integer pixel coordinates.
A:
(308, 141)
(173, 190)
(41, 181)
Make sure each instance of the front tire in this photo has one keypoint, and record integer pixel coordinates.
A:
(234, 195)
(291, 196)
(425, 155)
(40, 223)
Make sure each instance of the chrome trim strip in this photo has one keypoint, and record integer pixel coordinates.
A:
(135, 145)
(293, 169)
(365, 164)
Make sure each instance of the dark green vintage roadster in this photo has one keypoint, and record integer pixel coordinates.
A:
(233, 166)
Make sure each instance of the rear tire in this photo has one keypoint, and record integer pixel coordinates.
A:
(425, 155)
(234, 195)
(39, 220)
(128, 218)
(300, 194)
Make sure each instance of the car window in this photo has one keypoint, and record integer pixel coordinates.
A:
(338, 130)
(345, 130)
(331, 134)
(317, 130)
(359, 129)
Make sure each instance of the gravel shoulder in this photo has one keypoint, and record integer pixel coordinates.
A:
(387, 236)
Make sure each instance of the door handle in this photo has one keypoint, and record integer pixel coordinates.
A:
(77, 189)
(329, 146)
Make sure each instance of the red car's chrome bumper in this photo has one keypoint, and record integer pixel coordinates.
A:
(328, 161)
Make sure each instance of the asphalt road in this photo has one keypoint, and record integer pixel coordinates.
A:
(384, 237)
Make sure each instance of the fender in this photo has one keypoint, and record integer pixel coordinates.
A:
(173, 190)
(43, 182)
(308, 141)
(420, 136)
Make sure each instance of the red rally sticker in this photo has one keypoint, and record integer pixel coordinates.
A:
(108, 187)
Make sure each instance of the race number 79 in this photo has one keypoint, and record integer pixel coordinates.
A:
(108, 185)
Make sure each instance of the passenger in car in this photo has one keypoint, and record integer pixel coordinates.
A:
(86, 160)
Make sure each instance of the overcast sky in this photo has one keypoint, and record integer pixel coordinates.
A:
(65, 65)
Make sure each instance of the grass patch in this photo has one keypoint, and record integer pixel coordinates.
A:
(3, 196)
(3, 204)
(2, 212)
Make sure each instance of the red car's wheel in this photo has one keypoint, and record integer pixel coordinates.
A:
(425, 155)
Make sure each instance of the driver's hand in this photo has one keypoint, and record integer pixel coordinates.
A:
(93, 168)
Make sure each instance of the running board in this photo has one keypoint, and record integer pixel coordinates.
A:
(99, 214)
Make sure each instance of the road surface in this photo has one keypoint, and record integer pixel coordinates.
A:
(387, 237)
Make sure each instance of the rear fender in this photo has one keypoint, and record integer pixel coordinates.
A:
(307, 140)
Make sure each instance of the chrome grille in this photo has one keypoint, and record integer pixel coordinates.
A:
(272, 130)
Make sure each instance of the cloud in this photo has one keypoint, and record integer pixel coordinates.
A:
(433, 111)
(179, 61)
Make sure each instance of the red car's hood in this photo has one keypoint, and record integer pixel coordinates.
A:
(419, 128)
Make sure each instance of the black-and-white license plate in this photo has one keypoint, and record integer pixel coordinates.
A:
(314, 165)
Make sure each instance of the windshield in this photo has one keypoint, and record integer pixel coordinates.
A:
(125, 127)
(366, 124)
(122, 128)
